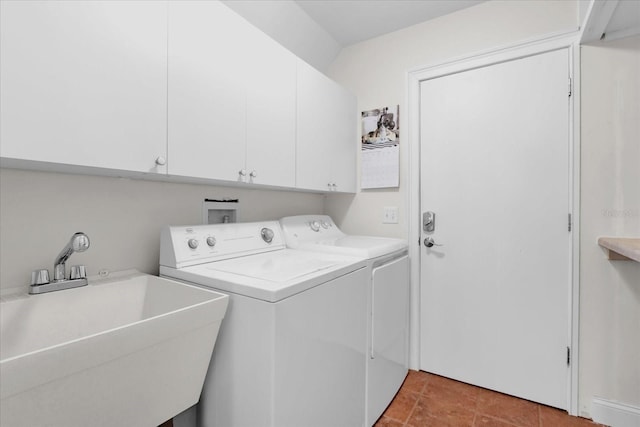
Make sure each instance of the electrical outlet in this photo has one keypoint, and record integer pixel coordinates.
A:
(390, 215)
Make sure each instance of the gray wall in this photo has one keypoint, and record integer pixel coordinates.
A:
(39, 211)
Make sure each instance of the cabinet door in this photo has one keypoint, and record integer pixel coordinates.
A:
(345, 144)
(84, 83)
(207, 74)
(326, 133)
(271, 112)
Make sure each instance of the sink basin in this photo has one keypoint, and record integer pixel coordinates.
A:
(131, 350)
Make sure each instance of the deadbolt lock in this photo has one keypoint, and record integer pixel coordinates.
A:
(428, 221)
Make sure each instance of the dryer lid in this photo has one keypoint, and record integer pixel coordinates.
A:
(319, 233)
(359, 246)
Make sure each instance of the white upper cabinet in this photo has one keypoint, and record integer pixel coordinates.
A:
(84, 83)
(207, 118)
(184, 89)
(231, 98)
(271, 112)
(326, 133)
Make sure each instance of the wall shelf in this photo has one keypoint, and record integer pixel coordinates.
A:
(621, 248)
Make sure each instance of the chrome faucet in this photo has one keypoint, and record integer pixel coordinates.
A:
(79, 243)
(40, 278)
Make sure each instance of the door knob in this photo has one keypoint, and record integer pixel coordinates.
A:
(429, 242)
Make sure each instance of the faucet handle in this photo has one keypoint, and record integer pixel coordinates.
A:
(39, 277)
(78, 272)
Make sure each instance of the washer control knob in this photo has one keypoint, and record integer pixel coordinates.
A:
(193, 243)
(267, 234)
(211, 241)
(315, 225)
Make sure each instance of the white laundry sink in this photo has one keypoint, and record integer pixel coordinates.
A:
(131, 350)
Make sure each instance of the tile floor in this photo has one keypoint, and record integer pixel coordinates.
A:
(426, 400)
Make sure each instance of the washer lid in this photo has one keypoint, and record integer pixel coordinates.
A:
(271, 276)
(278, 266)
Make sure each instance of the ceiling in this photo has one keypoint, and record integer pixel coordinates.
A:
(610, 20)
(317, 30)
(625, 16)
(352, 21)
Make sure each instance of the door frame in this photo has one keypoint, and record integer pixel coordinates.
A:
(538, 45)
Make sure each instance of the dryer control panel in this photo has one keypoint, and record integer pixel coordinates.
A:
(301, 229)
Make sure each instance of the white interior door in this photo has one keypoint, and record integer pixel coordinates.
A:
(495, 170)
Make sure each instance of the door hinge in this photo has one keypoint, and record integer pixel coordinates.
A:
(570, 87)
(568, 356)
(569, 224)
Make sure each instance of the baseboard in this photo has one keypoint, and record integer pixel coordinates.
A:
(614, 414)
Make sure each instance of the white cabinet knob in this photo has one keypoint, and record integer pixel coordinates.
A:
(253, 174)
(161, 161)
(242, 172)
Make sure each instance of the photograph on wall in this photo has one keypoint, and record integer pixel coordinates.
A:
(380, 153)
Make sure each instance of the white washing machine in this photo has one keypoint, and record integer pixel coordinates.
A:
(291, 349)
(387, 299)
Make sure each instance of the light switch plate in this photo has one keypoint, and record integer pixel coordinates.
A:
(390, 215)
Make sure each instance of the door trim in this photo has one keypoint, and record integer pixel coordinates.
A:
(496, 55)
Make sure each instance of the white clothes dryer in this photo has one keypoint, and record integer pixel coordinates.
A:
(291, 349)
(387, 299)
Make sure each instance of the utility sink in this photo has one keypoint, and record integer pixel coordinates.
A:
(130, 350)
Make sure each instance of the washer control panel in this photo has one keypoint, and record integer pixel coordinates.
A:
(182, 246)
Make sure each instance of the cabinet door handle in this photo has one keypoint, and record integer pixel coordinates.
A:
(161, 161)
(253, 174)
(242, 172)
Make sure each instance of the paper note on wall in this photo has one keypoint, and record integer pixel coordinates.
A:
(381, 167)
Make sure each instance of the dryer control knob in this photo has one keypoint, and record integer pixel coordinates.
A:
(211, 241)
(315, 225)
(193, 243)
